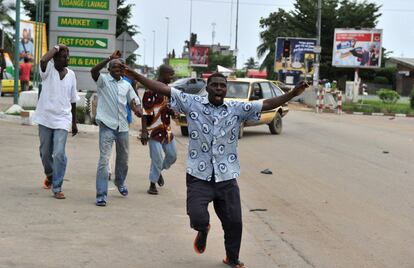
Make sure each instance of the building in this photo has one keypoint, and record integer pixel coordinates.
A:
(405, 74)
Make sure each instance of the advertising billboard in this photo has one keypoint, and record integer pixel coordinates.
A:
(199, 56)
(29, 32)
(295, 54)
(180, 67)
(357, 48)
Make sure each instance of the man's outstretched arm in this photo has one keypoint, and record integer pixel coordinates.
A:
(275, 102)
(153, 85)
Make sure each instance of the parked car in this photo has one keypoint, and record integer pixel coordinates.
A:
(251, 89)
(191, 85)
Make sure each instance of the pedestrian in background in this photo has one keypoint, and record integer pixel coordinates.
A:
(2, 68)
(25, 68)
(156, 120)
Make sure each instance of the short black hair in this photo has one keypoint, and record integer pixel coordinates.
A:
(165, 69)
(216, 74)
(59, 53)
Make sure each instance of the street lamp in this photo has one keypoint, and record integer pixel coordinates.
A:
(168, 26)
(153, 50)
(237, 33)
(144, 49)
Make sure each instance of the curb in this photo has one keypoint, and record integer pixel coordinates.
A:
(381, 114)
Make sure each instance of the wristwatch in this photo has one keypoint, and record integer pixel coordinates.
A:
(57, 47)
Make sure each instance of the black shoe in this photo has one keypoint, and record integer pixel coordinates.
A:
(152, 189)
(200, 242)
(160, 181)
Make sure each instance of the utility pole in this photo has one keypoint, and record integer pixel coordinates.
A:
(318, 45)
(237, 33)
(153, 50)
(168, 29)
(144, 50)
(231, 20)
(16, 54)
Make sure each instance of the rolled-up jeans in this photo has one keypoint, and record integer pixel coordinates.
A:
(107, 137)
(52, 154)
(160, 162)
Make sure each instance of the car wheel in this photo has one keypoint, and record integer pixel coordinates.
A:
(241, 130)
(184, 131)
(275, 126)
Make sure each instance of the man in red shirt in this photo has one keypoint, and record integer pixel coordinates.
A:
(25, 68)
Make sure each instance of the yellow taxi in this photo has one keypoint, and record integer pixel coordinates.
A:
(251, 89)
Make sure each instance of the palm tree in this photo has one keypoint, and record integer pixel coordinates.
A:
(251, 63)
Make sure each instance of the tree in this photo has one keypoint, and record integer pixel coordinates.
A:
(7, 23)
(124, 14)
(214, 59)
(251, 63)
(300, 22)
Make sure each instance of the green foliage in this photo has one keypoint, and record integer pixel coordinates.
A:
(412, 99)
(80, 115)
(251, 63)
(388, 96)
(376, 106)
(300, 22)
(380, 80)
(240, 74)
(8, 24)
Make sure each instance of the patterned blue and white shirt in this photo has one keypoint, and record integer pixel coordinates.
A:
(213, 134)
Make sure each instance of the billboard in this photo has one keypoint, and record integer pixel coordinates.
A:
(295, 54)
(180, 67)
(199, 56)
(357, 48)
(30, 31)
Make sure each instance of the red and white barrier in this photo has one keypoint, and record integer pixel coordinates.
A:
(320, 96)
(339, 103)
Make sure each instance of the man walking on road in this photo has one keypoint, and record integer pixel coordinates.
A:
(55, 114)
(113, 95)
(157, 118)
(213, 164)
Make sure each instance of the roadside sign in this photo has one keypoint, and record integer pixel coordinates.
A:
(87, 4)
(126, 44)
(82, 61)
(79, 22)
(83, 42)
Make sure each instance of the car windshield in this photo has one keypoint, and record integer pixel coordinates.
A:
(179, 82)
(237, 90)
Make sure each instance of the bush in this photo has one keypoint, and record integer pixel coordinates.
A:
(381, 80)
(412, 99)
(80, 115)
(388, 96)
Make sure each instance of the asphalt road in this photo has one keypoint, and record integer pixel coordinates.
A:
(340, 196)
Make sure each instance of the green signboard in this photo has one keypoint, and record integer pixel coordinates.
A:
(84, 42)
(76, 22)
(180, 67)
(80, 61)
(89, 4)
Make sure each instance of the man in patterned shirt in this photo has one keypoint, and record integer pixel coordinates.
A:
(156, 118)
(213, 165)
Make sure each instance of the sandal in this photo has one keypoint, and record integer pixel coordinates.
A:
(59, 195)
(237, 264)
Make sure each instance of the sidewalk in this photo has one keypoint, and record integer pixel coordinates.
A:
(138, 231)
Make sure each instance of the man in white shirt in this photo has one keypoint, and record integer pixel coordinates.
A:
(56, 115)
(113, 95)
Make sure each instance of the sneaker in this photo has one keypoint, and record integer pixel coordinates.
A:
(101, 203)
(152, 189)
(47, 183)
(234, 264)
(123, 190)
(59, 195)
(160, 181)
(200, 242)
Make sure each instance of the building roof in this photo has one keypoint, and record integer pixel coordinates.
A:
(408, 62)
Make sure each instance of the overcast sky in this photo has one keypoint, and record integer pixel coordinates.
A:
(396, 21)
